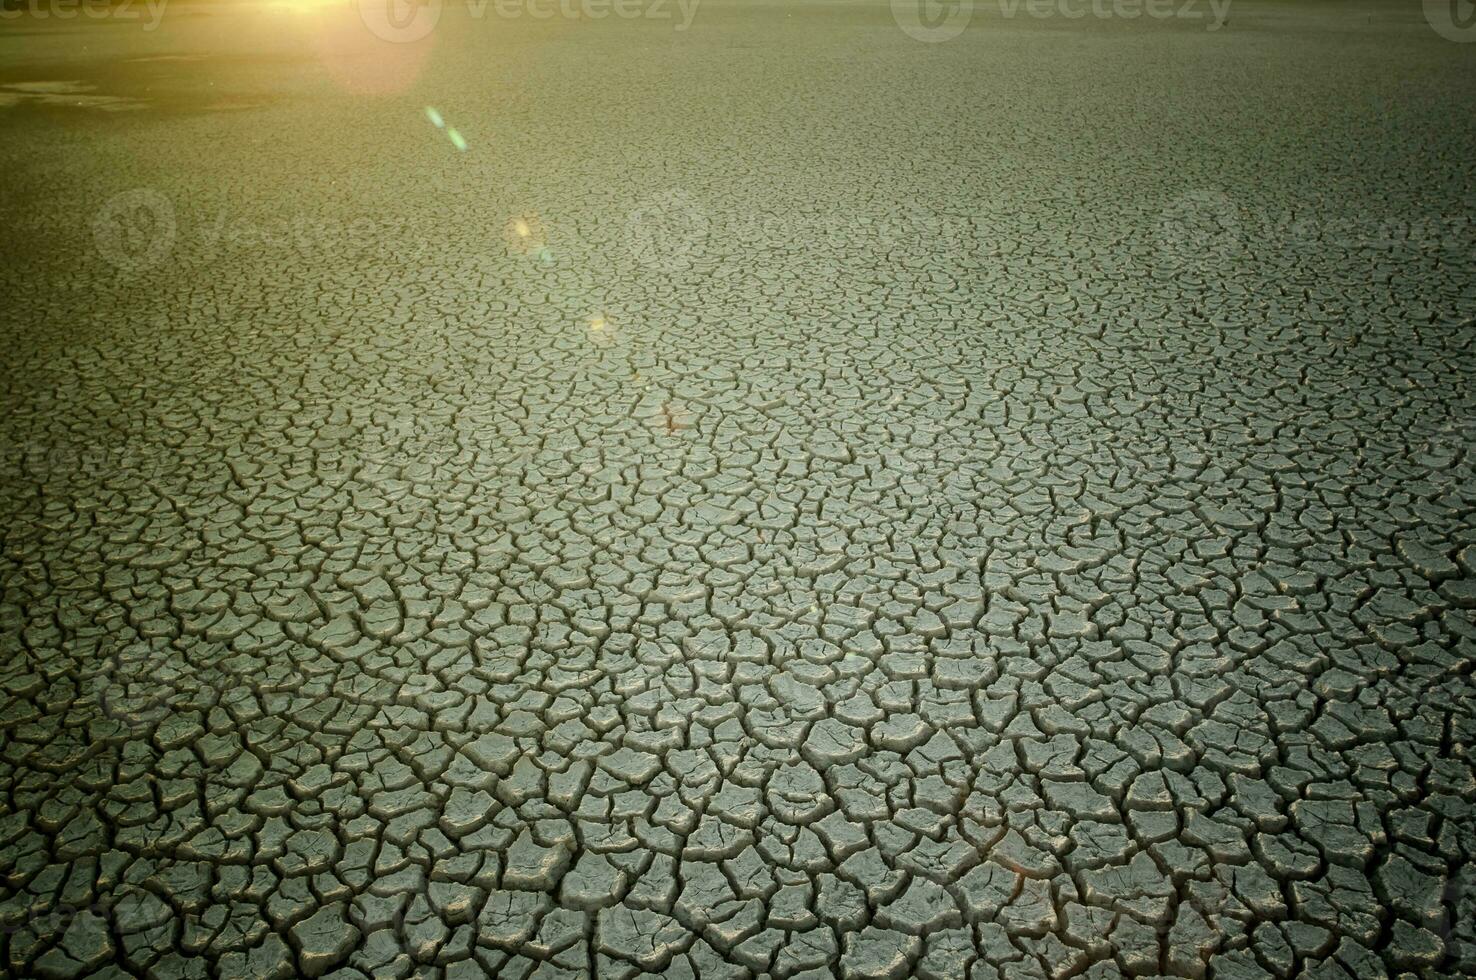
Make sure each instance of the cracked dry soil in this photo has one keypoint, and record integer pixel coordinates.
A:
(785, 501)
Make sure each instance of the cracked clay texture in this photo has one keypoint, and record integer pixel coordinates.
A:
(786, 500)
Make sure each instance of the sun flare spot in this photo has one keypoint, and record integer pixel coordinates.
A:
(301, 7)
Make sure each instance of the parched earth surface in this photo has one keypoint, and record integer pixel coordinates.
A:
(785, 500)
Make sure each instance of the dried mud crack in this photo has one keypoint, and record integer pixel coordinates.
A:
(963, 510)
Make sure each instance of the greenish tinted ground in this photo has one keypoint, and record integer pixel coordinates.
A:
(787, 499)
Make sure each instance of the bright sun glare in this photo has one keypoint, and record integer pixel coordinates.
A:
(303, 6)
